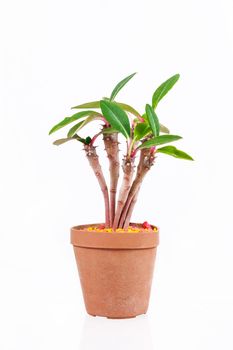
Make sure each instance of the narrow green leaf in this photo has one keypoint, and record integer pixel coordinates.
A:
(125, 106)
(128, 108)
(81, 124)
(61, 141)
(96, 104)
(75, 128)
(64, 140)
(164, 129)
(119, 86)
(159, 140)
(153, 120)
(163, 89)
(116, 117)
(141, 130)
(69, 120)
(174, 152)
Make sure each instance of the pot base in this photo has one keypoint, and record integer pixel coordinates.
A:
(120, 318)
(115, 318)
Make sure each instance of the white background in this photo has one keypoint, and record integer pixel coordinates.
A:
(56, 54)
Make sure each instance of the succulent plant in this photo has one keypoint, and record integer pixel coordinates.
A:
(142, 132)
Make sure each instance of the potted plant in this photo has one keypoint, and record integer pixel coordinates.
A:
(116, 258)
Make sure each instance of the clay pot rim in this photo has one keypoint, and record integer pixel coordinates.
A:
(81, 237)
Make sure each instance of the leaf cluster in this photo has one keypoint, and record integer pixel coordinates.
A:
(146, 129)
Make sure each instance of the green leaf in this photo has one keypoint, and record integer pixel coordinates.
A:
(81, 124)
(119, 86)
(64, 140)
(141, 130)
(159, 140)
(69, 120)
(153, 120)
(96, 104)
(116, 117)
(164, 129)
(61, 141)
(163, 89)
(174, 152)
(128, 108)
(125, 106)
(75, 128)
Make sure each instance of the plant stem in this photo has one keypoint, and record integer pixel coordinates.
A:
(94, 138)
(130, 210)
(128, 169)
(96, 167)
(111, 146)
(145, 162)
(130, 147)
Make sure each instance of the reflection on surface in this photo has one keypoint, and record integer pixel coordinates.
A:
(126, 334)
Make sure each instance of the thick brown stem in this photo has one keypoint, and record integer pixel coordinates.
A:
(135, 187)
(130, 210)
(128, 169)
(144, 165)
(96, 167)
(111, 146)
(145, 153)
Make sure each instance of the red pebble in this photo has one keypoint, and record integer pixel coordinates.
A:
(101, 227)
(146, 225)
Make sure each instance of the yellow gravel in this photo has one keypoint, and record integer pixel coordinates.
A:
(121, 230)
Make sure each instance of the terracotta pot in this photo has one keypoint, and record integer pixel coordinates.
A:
(115, 270)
